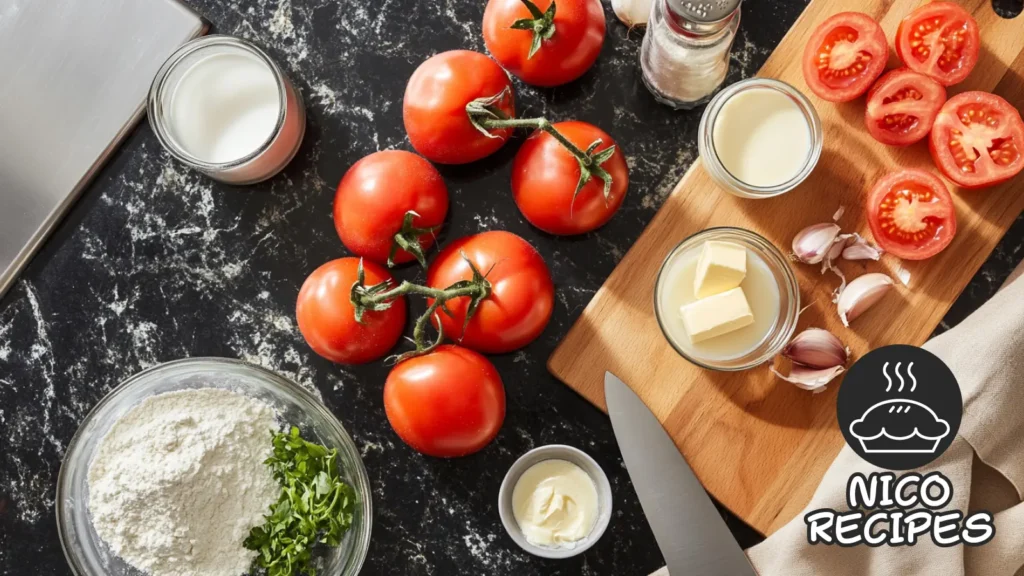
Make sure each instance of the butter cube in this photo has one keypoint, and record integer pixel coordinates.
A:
(721, 266)
(716, 315)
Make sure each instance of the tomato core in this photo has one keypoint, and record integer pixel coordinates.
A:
(842, 58)
(930, 33)
(981, 124)
(911, 214)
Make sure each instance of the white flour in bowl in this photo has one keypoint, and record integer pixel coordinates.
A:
(179, 480)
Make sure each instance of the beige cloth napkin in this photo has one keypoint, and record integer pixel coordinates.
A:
(985, 464)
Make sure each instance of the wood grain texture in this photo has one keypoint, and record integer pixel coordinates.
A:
(759, 445)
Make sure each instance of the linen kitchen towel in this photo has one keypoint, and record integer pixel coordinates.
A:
(985, 465)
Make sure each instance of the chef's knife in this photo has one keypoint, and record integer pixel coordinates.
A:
(689, 530)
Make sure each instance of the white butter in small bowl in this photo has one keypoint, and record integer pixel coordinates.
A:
(555, 501)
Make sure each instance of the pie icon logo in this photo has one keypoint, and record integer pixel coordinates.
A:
(899, 407)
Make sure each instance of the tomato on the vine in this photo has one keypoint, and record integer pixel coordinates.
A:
(545, 42)
(545, 176)
(902, 106)
(978, 140)
(434, 107)
(844, 56)
(449, 402)
(373, 201)
(327, 320)
(939, 39)
(521, 299)
(911, 214)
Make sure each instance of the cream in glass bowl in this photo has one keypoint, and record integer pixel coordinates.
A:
(726, 299)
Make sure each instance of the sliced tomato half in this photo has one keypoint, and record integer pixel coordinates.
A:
(902, 106)
(978, 140)
(911, 214)
(939, 39)
(844, 56)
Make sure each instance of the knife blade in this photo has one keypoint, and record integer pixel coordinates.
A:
(689, 530)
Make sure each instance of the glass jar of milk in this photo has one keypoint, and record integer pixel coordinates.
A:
(222, 106)
(759, 138)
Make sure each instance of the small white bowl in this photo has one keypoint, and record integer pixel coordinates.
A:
(556, 452)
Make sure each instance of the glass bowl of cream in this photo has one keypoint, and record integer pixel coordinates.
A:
(86, 552)
(555, 501)
(759, 138)
(727, 299)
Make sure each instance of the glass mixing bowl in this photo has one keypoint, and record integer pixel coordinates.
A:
(88, 555)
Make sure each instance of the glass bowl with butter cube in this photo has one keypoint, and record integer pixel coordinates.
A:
(726, 299)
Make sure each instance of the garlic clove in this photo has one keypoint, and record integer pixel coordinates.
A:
(834, 251)
(813, 243)
(860, 294)
(839, 213)
(812, 379)
(857, 248)
(632, 12)
(816, 348)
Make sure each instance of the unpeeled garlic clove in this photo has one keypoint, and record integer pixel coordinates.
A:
(813, 243)
(813, 379)
(816, 348)
(632, 12)
(834, 251)
(860, 294)
(857, 248)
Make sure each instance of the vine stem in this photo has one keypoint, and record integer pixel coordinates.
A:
(381, 296)
(485, 116)
(537, 124)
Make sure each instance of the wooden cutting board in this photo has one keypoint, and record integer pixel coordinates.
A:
(760, 445)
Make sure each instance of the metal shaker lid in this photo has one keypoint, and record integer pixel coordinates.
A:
(703, 16)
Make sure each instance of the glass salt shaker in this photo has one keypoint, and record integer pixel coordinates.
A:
(685, 54)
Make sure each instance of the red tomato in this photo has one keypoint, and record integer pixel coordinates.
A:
(522, 295)
(327, 319)
(571, 49)
(434, 107)
(545, 175)
(939, 39)
(447, 403)
(911, 214)
(902, 106)
(978, 140)
(844, 56)
(374, 196)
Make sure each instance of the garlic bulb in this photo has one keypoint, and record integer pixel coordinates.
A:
(860, 294)
(812, 244)
(816, 348)
(632, 12)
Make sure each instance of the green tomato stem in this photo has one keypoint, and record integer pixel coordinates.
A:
(537, 124)
(382, 296)
(542, 24)
(487, 117)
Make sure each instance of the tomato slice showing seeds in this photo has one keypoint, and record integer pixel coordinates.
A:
(844, 56)
(911, 214)
(902, 106)
(978, 140)
(939, 39)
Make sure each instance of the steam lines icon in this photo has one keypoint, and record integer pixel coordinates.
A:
(910, 373)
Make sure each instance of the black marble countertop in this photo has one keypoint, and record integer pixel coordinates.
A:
(156, 263)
